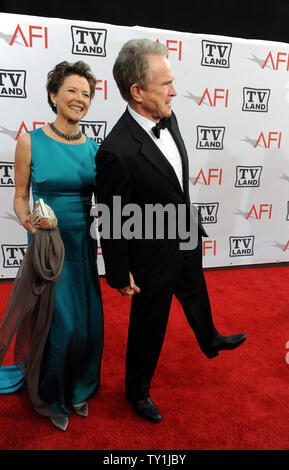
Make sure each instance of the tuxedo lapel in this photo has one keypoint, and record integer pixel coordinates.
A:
(152, 153)
(174, 130)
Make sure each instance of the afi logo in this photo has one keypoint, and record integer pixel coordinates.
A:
(102, 86)
(13, 255)
(24, 128)
(272, 137)
(212, 174)
(95, 130)
(255, 99)
(12, 83)
(248, 176)
(217, 94)
(263, 209)
(242, 246)
(216, 54)
(33, 32)
(208, 212)
(88, 41)
(175, 46)
(6, 174)
(209, 246)
(280, 58)
(210, 138)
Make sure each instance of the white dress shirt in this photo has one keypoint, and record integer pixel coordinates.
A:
(165, 143)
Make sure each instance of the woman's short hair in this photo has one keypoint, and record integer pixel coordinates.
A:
(132, 65)
(56, 77)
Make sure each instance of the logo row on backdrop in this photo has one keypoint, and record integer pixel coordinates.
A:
(13, 85)
(207, 137)
(238, 246)
(93, 42)
(245, 176)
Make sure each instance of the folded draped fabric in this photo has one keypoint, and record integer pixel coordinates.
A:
(11, 380)
(30, 309)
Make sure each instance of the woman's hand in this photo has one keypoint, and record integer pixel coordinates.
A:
(27, 224)
(32, 227)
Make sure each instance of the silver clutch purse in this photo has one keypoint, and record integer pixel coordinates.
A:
(43, 211)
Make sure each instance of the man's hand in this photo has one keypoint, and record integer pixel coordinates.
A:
(130, 290)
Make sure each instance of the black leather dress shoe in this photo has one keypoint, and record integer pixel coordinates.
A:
(222, 343)
(148, 410)
(228, 342)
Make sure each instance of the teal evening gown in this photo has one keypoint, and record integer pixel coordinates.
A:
(63, 175)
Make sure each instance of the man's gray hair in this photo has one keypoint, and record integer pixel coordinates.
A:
(132, 65)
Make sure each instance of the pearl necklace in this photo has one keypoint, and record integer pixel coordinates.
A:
(65, 136)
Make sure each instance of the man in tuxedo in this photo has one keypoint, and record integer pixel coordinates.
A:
(142, 165)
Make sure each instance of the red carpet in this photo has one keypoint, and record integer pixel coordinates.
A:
(237, 401)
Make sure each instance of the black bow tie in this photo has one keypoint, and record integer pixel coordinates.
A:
(162, 124)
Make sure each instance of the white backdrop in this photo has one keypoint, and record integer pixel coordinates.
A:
(233, 111)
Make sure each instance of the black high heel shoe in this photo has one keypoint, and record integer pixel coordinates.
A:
(82, 409)
(60, 422)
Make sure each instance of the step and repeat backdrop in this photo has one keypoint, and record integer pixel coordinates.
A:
(233, 111)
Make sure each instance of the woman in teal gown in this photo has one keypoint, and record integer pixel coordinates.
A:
(59, 162)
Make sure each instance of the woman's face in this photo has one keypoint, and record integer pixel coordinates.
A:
(72, 99)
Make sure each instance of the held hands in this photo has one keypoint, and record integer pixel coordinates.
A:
(130, 290)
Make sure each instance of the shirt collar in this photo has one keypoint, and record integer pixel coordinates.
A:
(145, 123)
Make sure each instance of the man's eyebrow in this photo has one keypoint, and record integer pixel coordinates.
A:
(168, 81)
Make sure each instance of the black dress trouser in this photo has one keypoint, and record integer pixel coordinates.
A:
(149, 316)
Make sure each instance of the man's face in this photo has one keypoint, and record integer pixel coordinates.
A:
(156, 99)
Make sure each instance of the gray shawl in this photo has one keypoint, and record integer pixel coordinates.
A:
(30, 309)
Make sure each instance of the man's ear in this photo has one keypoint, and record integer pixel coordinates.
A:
(136, 92)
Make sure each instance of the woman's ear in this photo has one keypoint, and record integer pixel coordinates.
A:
(52, 97)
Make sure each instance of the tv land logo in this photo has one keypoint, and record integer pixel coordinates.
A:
(208, 212)
(88, 41)
(242, 246)
(216, 54)
(255, 99)
(6, 174)
(210, 138)
(95, 130)
(248, 176)
(13, 255)
(12, 83)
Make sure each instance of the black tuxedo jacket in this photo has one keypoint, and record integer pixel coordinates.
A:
(130, 165)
